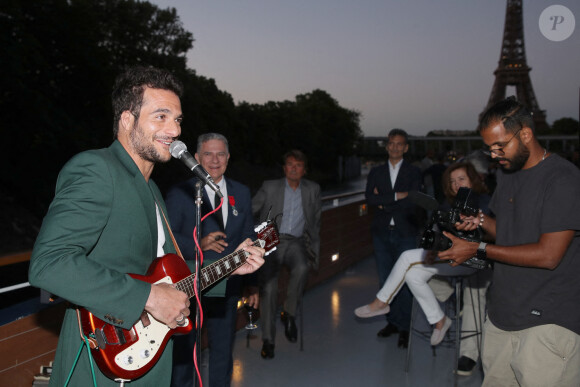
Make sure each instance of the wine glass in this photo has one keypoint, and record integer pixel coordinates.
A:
(251, 324)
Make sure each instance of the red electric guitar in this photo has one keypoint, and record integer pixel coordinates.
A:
(129, 354)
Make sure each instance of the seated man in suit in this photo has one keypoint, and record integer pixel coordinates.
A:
(221, 233)
(296, 206)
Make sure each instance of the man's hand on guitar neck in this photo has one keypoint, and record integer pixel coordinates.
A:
(254, 260)
(167, 304)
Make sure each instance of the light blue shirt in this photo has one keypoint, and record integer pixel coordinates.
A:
(293, 215)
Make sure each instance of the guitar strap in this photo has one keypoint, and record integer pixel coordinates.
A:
(92, 342)
(169, 230)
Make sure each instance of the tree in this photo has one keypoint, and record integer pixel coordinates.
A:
(59, 60)
(565, 125)
(314, 123)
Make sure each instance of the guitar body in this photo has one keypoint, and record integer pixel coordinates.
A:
(129, 354)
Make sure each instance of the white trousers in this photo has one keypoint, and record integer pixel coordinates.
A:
(409, 268)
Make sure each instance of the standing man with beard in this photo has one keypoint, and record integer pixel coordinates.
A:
(532, 334)
(395, 225)
(107, 220)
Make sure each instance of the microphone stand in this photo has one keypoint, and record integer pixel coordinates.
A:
(198, 201)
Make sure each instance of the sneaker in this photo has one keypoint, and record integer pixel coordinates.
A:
(465, 366)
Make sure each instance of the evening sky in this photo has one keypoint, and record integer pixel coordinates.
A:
(420, 65)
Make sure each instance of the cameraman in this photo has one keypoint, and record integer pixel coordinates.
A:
(417, 266)
(532, 334)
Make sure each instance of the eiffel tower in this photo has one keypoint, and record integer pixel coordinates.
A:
(513, 69)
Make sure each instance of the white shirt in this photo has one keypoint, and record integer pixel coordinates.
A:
(224, 190)
(160, 234)
(394, 172)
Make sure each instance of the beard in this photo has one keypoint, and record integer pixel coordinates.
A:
(144, 149)
(519, 159)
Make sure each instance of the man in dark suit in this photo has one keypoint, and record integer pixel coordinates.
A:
(295, 205)
(395, 225)
(221, 233)
(107, 220)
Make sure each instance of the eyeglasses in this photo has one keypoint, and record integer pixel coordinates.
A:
(499, 151)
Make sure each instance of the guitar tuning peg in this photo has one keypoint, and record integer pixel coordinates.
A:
(269, 251)
(260, 227)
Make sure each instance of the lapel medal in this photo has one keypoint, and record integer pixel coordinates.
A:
(233, 204)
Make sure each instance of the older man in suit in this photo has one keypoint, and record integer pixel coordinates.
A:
(295, 205)
(395, 225)
(107, 220)
(221, 233)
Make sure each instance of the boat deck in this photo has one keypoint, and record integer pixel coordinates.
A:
(341, 350)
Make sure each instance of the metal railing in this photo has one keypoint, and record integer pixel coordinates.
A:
(328, 202)
(418, 145)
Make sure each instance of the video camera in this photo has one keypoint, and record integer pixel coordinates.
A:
(465, 203)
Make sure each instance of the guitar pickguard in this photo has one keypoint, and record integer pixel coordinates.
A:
(149, 341)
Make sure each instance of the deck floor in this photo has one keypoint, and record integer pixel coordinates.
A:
(342, 350)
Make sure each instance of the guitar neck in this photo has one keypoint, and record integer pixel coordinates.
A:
(216, 271)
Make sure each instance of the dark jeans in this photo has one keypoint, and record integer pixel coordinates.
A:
(388, 246)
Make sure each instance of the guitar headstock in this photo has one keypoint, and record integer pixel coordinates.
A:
(268, 236)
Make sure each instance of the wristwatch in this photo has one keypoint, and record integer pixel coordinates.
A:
(481, 253)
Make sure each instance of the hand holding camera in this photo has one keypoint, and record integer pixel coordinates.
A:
(461, 221)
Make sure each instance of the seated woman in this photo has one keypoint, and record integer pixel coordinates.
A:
(417, 266)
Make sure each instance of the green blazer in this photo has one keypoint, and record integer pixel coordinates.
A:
(100, 226)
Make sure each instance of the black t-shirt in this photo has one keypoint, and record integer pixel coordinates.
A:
(528, 203)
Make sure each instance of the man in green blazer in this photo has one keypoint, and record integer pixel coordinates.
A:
(107, 220)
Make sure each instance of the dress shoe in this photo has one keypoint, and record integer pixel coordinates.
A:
(439, 334)
(267, 350)
(388, 330)
(366, 311)
(290, 329)
(403, 339)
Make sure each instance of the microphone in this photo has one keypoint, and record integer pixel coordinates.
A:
(179, 150)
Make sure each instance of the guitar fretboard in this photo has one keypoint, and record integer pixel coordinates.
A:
(215, 272)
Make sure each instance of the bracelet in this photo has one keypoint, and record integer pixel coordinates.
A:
(481, 218)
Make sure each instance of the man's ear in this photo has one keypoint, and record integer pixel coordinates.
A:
(126, 121)
(526, 135)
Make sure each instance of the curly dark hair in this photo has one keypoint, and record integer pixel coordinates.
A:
(477, 184)
(130, 86)
(512, 114)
